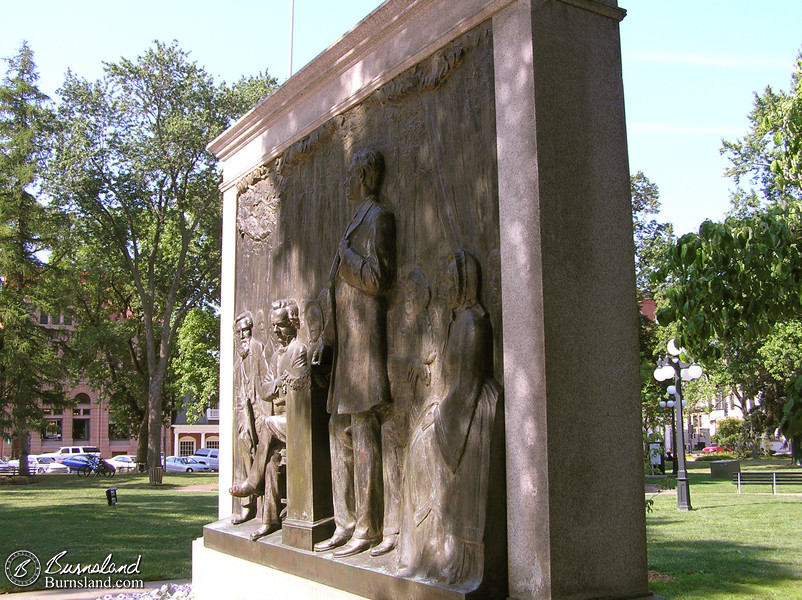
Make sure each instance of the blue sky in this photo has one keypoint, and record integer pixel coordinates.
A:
(690, 66)
(690, 72)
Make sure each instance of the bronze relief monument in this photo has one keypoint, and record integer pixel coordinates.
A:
(362, 273)
(427, 258)
(409, 461)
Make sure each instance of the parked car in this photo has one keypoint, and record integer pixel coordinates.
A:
(184, 464)
(123, 463)
(75, 462)
(208, 457)
(33, 466)
(66, 451)
(6, 469)
(714, 449)
(89, 464)
(51, 465)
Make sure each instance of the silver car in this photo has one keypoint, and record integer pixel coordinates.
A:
(184, 464)
(209, 457)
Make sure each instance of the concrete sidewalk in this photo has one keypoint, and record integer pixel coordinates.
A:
(93, 594)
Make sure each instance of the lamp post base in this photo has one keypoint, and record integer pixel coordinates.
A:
(683, 494)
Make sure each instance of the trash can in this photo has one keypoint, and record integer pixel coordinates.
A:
(111, 496)
(156, 476)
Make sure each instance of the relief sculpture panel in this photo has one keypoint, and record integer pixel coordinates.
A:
(349, 226)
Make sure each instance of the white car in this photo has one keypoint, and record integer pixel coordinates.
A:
(123, 463)
(50, 465)
(67, 451)
(33, 466)
(183, 464)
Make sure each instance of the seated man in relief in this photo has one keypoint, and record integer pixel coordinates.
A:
(289, 373)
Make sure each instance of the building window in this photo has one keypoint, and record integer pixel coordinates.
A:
(186, 447)
(81, 412)
(80, 430)
(50, 412)
(214, 444)
(52, 430)
(44, 318)
(67, 320)
(116, 432)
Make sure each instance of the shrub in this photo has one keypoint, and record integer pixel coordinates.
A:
(714, 456)
(729, 433)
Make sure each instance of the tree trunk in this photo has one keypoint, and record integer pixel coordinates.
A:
(155, 419)
(142, 440)
(24, 445)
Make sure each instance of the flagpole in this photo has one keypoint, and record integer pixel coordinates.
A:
(292, 19)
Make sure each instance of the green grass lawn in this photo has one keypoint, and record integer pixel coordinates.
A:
(730, 546)
(66, 512)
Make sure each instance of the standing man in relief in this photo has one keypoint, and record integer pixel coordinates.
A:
(250, 373)
(362, 273)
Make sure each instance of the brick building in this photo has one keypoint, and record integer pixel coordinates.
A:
(205, 433)
(88, 423)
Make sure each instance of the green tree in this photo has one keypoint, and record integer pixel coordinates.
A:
(734, 285)
(651, 237)
(197, 366)
(106, 345)
(730, 433)
(30, 374)
(131, 166)
(651, 240)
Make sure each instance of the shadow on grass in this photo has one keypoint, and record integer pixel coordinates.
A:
(715, 569)
(70, 514)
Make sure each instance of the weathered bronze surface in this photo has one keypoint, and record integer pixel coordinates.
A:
(309, 509)
(362, 274)
(446, 468)
(362, 574)
(287, 381)
(250, 373)
(359, 215)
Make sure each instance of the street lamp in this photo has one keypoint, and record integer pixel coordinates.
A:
(668, 367)
(668, 403)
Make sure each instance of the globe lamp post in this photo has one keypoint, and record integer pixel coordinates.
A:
(671, 367)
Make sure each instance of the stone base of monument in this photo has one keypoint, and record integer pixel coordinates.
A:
(227, 564)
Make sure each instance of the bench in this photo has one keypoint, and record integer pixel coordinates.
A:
(775, 478)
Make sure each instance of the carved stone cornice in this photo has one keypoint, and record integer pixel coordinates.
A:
(396, 36)
(606, 9)
(426, 75)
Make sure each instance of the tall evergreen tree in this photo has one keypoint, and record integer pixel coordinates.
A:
(30, 377)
